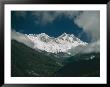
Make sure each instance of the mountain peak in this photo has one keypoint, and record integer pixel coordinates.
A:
(64, 34)
(69, 37)
(62, 43)
(43, 34)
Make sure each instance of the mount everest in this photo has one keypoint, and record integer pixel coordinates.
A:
(64, 43)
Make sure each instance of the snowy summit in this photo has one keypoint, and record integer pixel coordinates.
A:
(62, 43)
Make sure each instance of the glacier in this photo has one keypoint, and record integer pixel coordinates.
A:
(63, 43)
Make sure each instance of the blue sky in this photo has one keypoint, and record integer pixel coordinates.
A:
(51, 23)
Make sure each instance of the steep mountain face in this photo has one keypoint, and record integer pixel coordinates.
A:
(60, 44)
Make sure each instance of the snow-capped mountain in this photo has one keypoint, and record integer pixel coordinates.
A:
(62, 43)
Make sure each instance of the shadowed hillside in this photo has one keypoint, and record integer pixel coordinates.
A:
(81, 65)
(28, 62)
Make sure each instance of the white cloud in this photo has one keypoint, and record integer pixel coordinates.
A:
(50, 16)
(90, 48)
(93, 47)
(90, 22)
(21, 38)
(44, 17)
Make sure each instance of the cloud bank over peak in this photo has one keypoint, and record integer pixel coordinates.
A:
(45, 17)
(92, 47)
(21, 38)
(90, 22)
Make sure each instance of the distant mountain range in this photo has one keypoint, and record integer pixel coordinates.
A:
(62, 44)
(29, 62)
(55, 45)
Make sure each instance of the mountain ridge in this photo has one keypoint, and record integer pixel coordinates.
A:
(63, 43)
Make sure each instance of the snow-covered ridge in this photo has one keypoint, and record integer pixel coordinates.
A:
(63, 43)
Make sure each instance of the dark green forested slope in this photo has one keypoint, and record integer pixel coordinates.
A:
(28, 62)
(81, 65)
